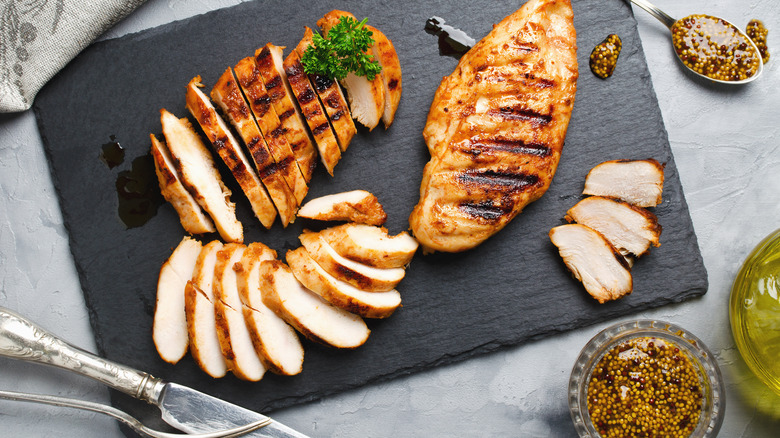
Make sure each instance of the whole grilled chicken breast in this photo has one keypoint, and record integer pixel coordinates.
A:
(496, 127)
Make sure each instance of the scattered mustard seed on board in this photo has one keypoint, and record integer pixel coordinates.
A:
(604, 56)
(757, 32)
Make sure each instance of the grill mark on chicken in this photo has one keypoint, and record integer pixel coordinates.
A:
(276, 133)
(334, 102)
(485, 210)
(321, 83)
(521, 113)
(287, 114)
(392, 84)
(502, 181)
(517, 147)
(321, 128)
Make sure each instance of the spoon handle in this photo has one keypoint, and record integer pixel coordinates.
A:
(655, 12)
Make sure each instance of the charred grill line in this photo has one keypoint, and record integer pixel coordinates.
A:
(518, 147)
(501, 181)
(521, 113)
(485, 210)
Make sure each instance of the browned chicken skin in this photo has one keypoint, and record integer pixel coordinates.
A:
(496, 127)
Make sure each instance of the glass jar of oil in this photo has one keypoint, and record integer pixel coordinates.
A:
(754, 311)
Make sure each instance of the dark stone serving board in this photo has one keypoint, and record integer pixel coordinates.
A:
(509, 290)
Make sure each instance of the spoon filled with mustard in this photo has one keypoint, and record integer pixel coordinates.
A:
(711, 47)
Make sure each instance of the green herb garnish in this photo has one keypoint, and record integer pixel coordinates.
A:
(343, 51)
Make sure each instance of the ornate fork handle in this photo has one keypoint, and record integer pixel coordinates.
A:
(22, 339)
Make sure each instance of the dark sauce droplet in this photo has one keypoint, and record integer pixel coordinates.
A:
(452, 41)
(112, 153)
(138, 193)
(604, 56)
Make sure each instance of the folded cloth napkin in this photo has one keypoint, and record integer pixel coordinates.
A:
(39, 37)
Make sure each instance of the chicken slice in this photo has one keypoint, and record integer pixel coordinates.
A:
(251, 83)
(363, 277)
(199, 305)
(385, 53)
(275, 341)
(631, 230)
(200, 176)
(593, 261)
(227, 95)
(638, 182)
(331, 98)
(366, 97)
(312, 111)
(357, 206)
(234, 337)
(169, 330)
(341, 294)
(371, 245)
(311, 315)
(271, 66)
(192, 217)
(230, 151)
(496, 128)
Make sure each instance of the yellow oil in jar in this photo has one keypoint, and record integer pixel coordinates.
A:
(754, 310)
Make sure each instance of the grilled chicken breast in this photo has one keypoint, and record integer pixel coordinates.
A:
(371, 245)
(638, 182)
(331, 98)
(191, 216)
(385, 53)
(593, 261)
(227, 95)
(270, 65)
(366, 98)
(230, 151)
(251, 83)
(496, 127)
(200, 176)
(312, 111)
(354, 206)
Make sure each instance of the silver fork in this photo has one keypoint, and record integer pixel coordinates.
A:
(126, 418)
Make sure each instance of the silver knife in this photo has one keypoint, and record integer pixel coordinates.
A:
(183, 408)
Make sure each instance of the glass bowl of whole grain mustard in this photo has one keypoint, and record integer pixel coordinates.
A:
(646, 379)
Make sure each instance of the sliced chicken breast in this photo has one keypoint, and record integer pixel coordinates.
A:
(371, 245)
(229, 98)
(357, 206)
(270, 63)
(275, 341)
(363, 277)
(638, 182)
(251, 83)
(169, 330)
(366, 97)
(593, 261)
(192, 217)
(312, 111)
(199, 305)
(331, 98)
(385, 53)
(631, 230)
(230, 151)
(199, 175)
(234, 337)
(309, 313)
(341, 294)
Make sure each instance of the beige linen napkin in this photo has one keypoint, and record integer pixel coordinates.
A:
(39, 37)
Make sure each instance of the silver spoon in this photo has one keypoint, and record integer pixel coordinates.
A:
(669, 22)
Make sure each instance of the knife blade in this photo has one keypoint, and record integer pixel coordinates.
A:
(195, 412)
(182, 407)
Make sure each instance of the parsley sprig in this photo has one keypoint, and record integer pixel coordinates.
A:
(343, 51)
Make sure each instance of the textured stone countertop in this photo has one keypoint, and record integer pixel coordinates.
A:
(726, 143)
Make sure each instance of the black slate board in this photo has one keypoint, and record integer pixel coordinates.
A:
(511, 289)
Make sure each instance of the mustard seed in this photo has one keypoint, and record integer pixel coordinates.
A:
(604, 56)
(621, 402)
(757, 32)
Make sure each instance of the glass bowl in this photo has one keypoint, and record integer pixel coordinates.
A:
(702, 361)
